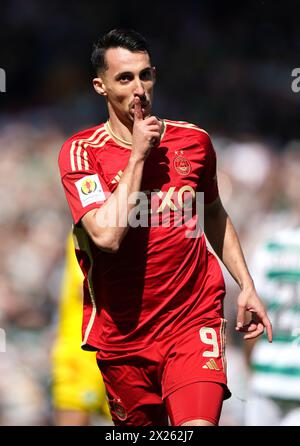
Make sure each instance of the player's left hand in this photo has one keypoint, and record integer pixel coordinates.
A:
(249, 304)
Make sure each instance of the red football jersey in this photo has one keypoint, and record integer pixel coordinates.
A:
(161, 280)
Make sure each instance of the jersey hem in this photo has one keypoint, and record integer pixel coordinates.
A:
(113, 348)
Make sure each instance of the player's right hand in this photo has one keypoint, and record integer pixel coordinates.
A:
(146, 132)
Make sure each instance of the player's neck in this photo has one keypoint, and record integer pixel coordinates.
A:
(120, 132)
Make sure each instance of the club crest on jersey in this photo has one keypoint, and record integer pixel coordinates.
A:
(119, 409)
(88, 186)
(181, 164)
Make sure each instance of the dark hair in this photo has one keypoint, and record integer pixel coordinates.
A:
(125, 38)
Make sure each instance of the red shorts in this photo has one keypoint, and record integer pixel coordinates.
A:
(143, 386)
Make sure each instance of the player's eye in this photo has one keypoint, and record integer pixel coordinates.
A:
(146, 75)
(125, 77)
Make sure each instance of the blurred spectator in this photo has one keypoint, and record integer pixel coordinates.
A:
(33, 227)
(274, 388)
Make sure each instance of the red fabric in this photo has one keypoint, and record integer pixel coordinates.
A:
(196, 401)
(139, 383)
(76, 161)
(160, 279)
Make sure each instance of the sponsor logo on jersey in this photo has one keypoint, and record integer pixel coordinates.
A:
(181, 164)
(211, 364)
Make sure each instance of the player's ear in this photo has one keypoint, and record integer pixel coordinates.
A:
(99, 86)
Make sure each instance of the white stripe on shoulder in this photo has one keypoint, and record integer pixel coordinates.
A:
(78, 156)
(98, 139)
(186, 125)
(86, 161)
(100, 144)
(75, 155)
(72, 160)
(82, 155)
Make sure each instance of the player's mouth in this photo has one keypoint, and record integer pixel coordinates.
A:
(145, 110)
(144, 106)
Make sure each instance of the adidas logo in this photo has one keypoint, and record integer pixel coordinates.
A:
(211, 364)
(117, 177)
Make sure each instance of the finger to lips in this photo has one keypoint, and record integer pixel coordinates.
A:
(138, 112)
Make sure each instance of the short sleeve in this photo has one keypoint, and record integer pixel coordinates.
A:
(84, 186)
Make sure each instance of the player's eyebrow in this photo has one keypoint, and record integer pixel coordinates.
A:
(130, 73)
(123, 73)
(144, 70)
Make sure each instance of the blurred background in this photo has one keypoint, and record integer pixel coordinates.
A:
(224, 66)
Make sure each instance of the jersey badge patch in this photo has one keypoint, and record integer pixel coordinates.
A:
(90, 190)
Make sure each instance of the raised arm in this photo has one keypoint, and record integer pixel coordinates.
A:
(107, 236)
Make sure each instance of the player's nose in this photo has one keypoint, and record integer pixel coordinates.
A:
(139, 89)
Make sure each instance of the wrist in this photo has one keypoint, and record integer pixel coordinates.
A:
(247, 284)
(136, 160)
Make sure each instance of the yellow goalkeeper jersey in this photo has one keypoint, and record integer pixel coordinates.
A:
(76, 380)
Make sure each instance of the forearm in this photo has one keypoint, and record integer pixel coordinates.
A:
(108, 225)
(110, 222)
(224, 240)
(233, 257)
